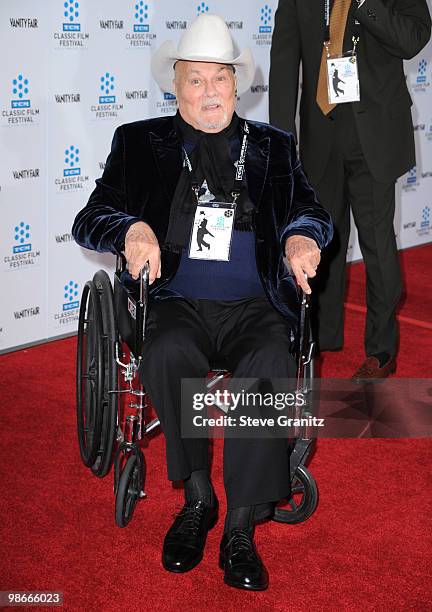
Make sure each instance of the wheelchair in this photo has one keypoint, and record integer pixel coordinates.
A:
(111, 406)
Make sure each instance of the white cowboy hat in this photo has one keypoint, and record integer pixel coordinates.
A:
(206, 40)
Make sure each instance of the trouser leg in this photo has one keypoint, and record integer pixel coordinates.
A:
(177, 346)
(329, 287)
(256, 343)
(373, 206)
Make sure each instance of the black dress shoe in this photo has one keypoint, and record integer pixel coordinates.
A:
(185, 540)
(241, 561)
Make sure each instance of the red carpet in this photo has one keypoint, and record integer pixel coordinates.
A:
(415, 319)
(367, 547)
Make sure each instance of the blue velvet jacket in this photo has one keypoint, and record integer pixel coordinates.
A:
(139, 181)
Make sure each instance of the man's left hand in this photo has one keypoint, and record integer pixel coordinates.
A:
(303, 255)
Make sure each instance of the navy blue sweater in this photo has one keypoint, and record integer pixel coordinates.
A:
(235, 279)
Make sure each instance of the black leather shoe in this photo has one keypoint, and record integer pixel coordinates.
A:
(241, 561)
(370, 371)
(185, 540)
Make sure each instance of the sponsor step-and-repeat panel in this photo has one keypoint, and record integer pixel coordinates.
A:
(72, 71)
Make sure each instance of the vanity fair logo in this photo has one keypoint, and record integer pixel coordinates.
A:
(259, 89)
(176, 25)
(234, 25)
(67, 98)
(65, 238)
(111, 24)
(26, 173)
(23, 22)
(136, 94)
(25, 313)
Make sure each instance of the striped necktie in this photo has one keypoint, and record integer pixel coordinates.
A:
(338, 19)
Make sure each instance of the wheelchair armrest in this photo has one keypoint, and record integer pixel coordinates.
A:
(121, 266)
(305, 344)
(130, 302)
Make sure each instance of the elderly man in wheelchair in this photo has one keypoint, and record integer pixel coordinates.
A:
(205, 206)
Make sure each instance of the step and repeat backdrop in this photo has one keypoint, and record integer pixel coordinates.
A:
(72, 71)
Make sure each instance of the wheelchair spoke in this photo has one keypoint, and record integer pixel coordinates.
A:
(293, 504)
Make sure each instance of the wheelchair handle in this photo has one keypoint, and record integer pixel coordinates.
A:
(121, 266)
(304, 337)
(144, 282)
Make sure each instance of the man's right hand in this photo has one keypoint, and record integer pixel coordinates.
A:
(141, 245)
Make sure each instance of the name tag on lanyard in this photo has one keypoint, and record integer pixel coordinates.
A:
(211, 234)
(212, 229)
(342, 79)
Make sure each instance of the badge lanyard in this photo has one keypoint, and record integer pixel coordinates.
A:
(213, 223)
(342, 70)
(354, 39)
(238, 180)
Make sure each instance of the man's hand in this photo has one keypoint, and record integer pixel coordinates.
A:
(303, 255)
(141, 245)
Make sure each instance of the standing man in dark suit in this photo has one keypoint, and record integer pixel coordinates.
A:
(353, 151)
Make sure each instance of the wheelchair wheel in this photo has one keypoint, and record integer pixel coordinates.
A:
(90, 375)
(304, 499)
(129, 489)
(103, 460)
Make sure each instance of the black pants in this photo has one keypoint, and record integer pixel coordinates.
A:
(255, 340)
(347, 183)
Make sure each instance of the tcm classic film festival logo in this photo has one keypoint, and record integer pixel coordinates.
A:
(424, 227)
(70, 35)
(421, 81)
(21, 109)
(167, 105)
(107, 106)
(22, 254)
(411, 182)
(71, 178)
(265, 26)
(140, 34)
(425, 222)
(413, 178)
(69, 310)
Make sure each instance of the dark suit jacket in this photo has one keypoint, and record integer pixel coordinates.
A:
(140, 178)
(389, 31)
